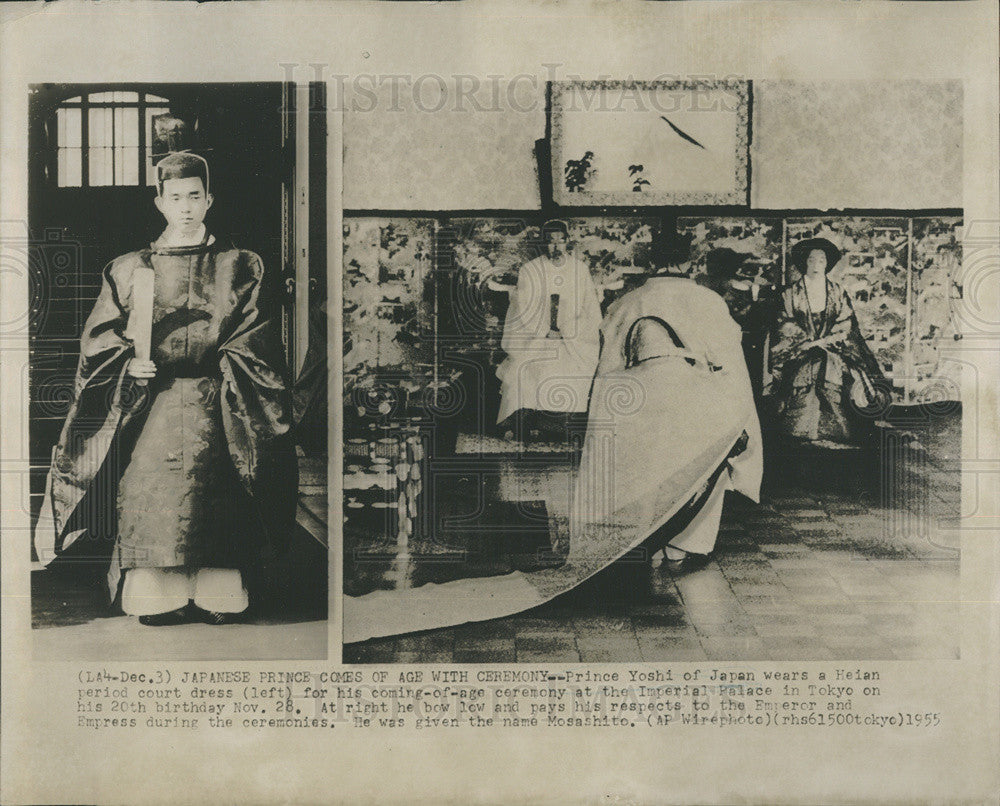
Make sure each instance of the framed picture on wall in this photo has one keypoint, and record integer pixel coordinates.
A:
(640, 143)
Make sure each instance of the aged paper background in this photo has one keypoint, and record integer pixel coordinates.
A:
(46, 759)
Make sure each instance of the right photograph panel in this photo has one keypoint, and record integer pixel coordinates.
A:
(651, 371)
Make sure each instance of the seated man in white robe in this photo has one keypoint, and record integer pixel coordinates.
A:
(551, 336)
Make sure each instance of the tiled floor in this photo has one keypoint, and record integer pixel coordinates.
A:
(848, 557)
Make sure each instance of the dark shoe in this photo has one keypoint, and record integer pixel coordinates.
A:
(214, 617)
(182, 615)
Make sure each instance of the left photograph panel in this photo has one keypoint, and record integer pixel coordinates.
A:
(177, 379)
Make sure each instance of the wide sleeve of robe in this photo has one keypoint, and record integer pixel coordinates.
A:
(105, 401)
(790, 330)
(526, 314)
(257, 401)
(844, 334)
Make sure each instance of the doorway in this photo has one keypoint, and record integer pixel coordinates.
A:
(91, 186)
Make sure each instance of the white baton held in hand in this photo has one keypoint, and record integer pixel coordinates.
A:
(140, 322)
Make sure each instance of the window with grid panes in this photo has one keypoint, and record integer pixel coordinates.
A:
(103, 139)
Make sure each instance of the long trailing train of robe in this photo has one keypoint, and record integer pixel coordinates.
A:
(109, 409)
(661, 434)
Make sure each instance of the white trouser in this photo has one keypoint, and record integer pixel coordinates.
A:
(149, 591)
(701, 533)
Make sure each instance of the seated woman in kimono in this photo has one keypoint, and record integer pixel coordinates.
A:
(825, 379)
(198, 428)
(551, 335)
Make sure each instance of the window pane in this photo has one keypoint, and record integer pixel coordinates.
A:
(74, 167)
(100, 167)
(101, 97)
(130, 166)
(68, 168)
(68, 148)
(71, 123)
(75, 100)
(155, 99)
(130, 126)
(97, 119)
(119, 135)
(101, 144)
(109, 127)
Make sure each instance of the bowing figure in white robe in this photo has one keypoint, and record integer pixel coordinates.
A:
(672, 423)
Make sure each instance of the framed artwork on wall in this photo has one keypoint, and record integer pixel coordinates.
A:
(650, 143)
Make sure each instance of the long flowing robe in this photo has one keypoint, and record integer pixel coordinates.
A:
(672, 395)
(821, 390)
(200, 460)
(545, 371)
(660, 434)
